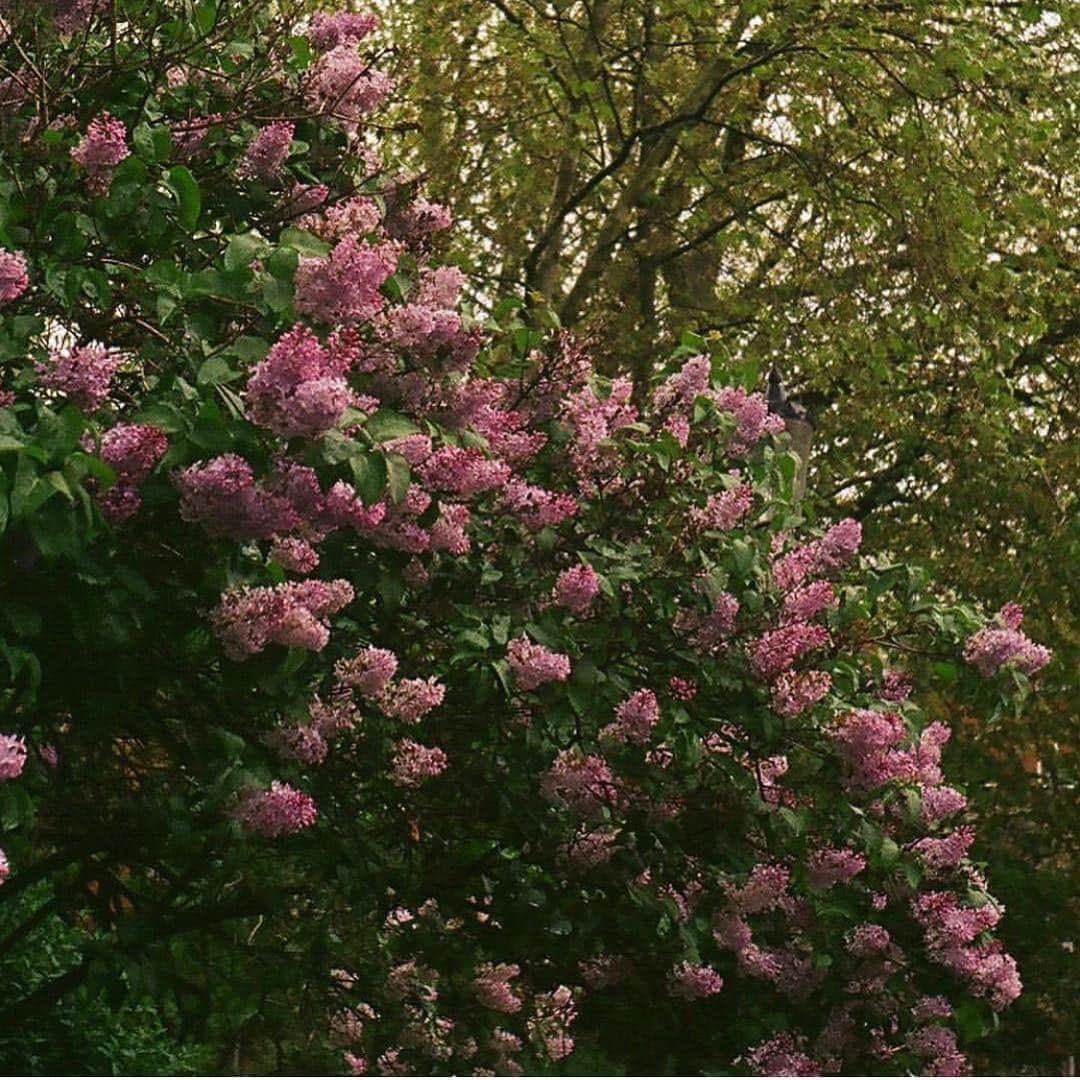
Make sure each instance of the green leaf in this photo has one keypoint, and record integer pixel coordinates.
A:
(398, 477)
(369, 475)
(387, 424)
(215, 371)
(185, 188)
(243, 249)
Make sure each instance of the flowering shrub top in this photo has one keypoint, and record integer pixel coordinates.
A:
(528, 703)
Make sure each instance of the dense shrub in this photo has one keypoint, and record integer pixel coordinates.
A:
(391, 692)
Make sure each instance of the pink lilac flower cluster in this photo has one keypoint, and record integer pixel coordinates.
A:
(868, 939)
(776, 650)
(462, 471)
(100, 150)
(304, 198)
(594, 421)
(414, 763)
(808, 601)
(634, 719)
(132, 451)
(936, 1045)
(302, 742)
(343, 287)
(428, 323)
(294, 554)
(83, 374)
(5, 867)
(12, 756)
(492, 988)
(222, 497)
(412, 699)
(941, 802)
(188, 136)
(709, 633)
(279, 811)
(299, 388)
(533, 665)
(871, 743)
(752, 418)
(723, 512)
(764, 890)
(820, 557)
(266, 153)
(795, 691)
(1005, 643)
(830, 866)
(692, 982)
(944, 853)
(576, 588)
(951, 929)
(341, 84)
(330, 29)
(583, 783)
(368, 672)
(781, 1055)
(448, 531)
(590, 849)
(896, 686)
(549, 1026)
(682, 689)
(13, 276)
(536, 507)
(72, 16)
(294, 614)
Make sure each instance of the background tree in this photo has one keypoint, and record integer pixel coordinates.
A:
(881, 200)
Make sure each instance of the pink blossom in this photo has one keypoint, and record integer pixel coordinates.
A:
(533, 665)
(369, 672)
(582, 782)
(280, 811)
(723, 512)
(13, 276)
(549, 1025)
(795, 691)
(828, 866)
(83, 374)
(752, 418)
(941, 802)
(946, 852)
(267, 151)
(295, 554)
(355, 1066)
(825, 556)
(100, 150)
(536, 507)
(187, 136)
(709, 633)
(414, 763)
(303, 742)
(764, 890)
(492, 988)
(692, 982)
(131, 450)
(776, 650)
(412, 699)
(679, 391)
(344, 286)
(576, 588)
(591, 849)
(299, 387)
(634, 719)
(330, 29)
(594, 421)
(931, 1008)
(682, 689)
(413, 221)
(71, 16)
(895, 686)
(221, 496)
(5, 867)
(448, 532)
(807, 601)
(343, 85)
(868, 940)
(295, 614)
(781, 1056)
(462, 471)
(994, 646)
(12, 756)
